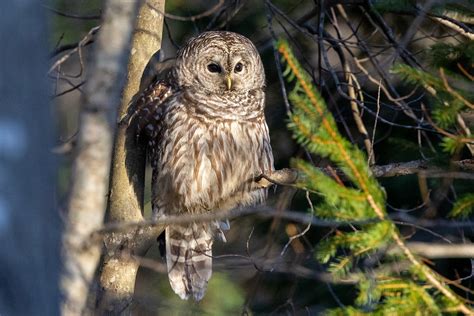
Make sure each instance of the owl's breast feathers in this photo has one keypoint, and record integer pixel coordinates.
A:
(208, 151)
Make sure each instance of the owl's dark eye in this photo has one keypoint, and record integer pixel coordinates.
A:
(238, 67)
(214, 68)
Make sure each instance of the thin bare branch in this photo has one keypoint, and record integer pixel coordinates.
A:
(411, 167)
(72, 16)
(351, 79)
(454, 26)
(188, 18)
(85, 41)
(452, 91)
(439, 250)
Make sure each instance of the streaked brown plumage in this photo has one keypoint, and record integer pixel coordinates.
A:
(208, 139)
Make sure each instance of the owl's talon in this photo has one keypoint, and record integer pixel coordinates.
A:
(283, 176)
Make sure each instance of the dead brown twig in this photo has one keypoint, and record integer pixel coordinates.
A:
(453, 92)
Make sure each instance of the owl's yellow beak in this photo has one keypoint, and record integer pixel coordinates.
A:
(229, 82)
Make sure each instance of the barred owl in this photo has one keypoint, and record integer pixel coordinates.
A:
(208, 140)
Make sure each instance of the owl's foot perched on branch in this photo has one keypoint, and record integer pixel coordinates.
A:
(283, 176)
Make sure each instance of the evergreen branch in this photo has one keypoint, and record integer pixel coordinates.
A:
(417, 76)
(315, 128)
(463, 207)
(305, 83)
(449, 102)
(456, 138)
(431, 276)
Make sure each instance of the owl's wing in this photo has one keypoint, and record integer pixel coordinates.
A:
(146, 107)
(146, 110)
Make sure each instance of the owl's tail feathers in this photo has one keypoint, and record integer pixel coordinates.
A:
(189, 259)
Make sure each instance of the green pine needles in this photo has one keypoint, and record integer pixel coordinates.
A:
(464, 206)
(360, 199)
(449, 101)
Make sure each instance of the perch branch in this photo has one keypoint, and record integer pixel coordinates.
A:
(290, 176)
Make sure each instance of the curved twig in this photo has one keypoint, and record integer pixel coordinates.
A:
(189, 18)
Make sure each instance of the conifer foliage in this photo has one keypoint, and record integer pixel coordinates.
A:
(361, 199)
(448, 99)
(449, 86)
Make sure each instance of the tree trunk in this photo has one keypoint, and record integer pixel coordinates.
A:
(92, 163)
(118, 272)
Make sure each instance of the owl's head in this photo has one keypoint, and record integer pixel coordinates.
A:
(218, 62)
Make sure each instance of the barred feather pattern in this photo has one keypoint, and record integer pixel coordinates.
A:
(206, 145)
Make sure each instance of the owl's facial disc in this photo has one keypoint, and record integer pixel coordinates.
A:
(220, 62)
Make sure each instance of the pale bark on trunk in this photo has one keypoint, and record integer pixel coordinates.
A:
(91, 166)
